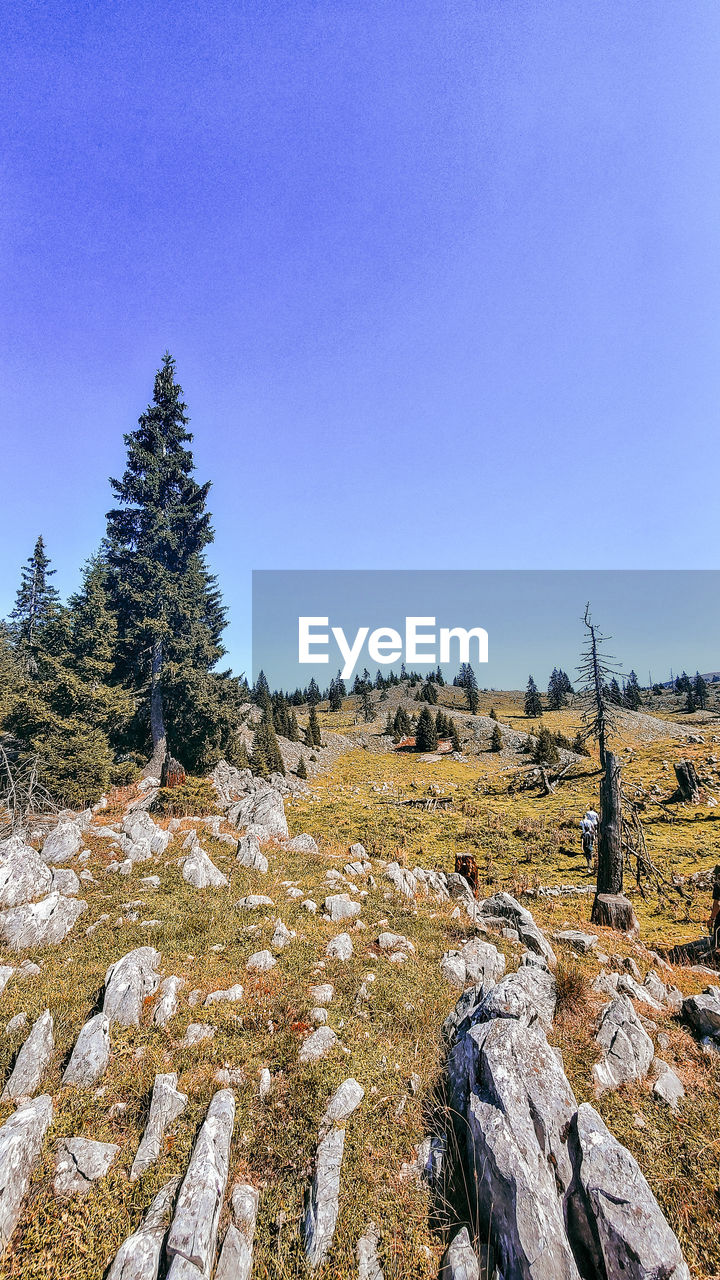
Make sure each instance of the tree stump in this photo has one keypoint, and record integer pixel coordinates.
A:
(687, 780)
(466, 866)
(610, 854)
(173, 774)
(614, 911)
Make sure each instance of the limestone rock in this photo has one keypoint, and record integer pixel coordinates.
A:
(317, 1045)
(628, 1049)
(90, 1055)
(667, 1085)
(24, 875)
(166, 1105)
(322, 993)
(40, 924)
(282, 936)
(166, 1005)
(80, 1162)
(128, 982)
(633, 1237)
(6, 973)
(460, 1261)
(249, 855)
(229, 996)
(193, 1231)
(346, 1099)
(340, 906)
(317, 1226)
(32, 1061)
(702, 1013)
(340, 948)
(253, 901)
(236, 1255)
(303, 844)
(395, 942)
(579, 941)
(261, 961)
(141, 831)
(21, 1139)
(63, 843)
(369, 1267)
(138, 1257)
(195, 1033)
(199, 870)
(503, 904)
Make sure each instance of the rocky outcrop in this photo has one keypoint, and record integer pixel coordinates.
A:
(40, 924)
(520, 919)
(80, 1162)
(702, 1014)
(21, 1139)
(340, 906)
(249, 855)
(91, 1053)
(166, 1105)
(141, 837)
(193, 1232)
(32, 1061)
(318, 1224)
(627, 1047)
(552, 1192)
(166, 1006)
(63, 842)
(477, 963)
(200, 871)
(128, 982)
(24, 875)
(235, 1261)
(138, 1257)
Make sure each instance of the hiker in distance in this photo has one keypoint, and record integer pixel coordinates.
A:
(714, 921)
(588, 830)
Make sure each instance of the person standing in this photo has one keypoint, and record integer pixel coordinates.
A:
(587, 832)
(714, 921)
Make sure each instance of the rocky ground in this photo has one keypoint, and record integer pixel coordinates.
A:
(278, 1040)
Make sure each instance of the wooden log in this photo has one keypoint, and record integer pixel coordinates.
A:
(687, 780)
(614, 911)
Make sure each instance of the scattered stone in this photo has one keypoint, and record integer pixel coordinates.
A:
(6, 973)
(143, 837)
(261, 961)
(346, 1099)
(138, 1257)
(340, 906)
(64, 880)
(24, 875)
(395, 942)
(318, 1016)
(80, 1162)
(199, 870)
(282, 936)
(628, 1049)
(323, 993)
(702, 1013)
(253, 901)
(21, 1140)
(230, 996)
(193, 1231)
(292, 892)
(166, 1105)
(358, 852)
(63, 843)
(235, 1261)
(303, 844)
(369, 1267)
(460, 1261)
(195, 1033)
(16, 1024)
(309, 905)
(317, 1045)
(128, 983)
(40, 924)
(32, 1061)
(317, 1226)
(90, 1055)
(166, 1005)
(667, 1084)
(265, 1084)
(503, 904)
(628, 1235)
(249, 855)
(582, 942)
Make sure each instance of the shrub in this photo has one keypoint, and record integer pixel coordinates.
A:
(196, 795)
(572, 988)
(496, 742)
(124, 773)
(545, 750)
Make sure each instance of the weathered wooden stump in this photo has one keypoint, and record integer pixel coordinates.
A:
(614, 911)
(687, 780)
(173, 774)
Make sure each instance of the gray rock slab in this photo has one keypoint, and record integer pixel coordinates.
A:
(138, 1257)
(633, 1238)
(340, 906)
(579, 941)
(366, 1252)
(80, 1162)
(230, 995)
(193, 1232)
(21, 1140)
(346, 1099)
(40, 924)
(24, 875)
(628, 1049)
(317, 1045)
(667, 1085)
(503, 904)
(319, 1220)
(166, 1104)
(460, 1261)
(702, 1013)
(32, 1061)
(196, 1032)
(89, 1058)
(340, 948)
(303, 844)
(166, 1006)
(128, 983)
(200, 871)
(235, 1261)
(63, 842)
(261, 961)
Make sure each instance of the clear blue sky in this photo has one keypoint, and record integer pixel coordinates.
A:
(441, 279)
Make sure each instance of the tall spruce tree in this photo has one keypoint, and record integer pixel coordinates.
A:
(426, 738)
(169, 611)
(533, 702)
(700, 691)
(36, 602)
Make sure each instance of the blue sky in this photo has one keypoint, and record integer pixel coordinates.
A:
(441, 280)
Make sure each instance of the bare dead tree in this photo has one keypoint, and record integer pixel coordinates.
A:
(22, 795)
(595, 671)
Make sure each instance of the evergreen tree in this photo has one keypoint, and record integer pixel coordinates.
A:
(366, 704)
(700, 691)
(236, 753)
(313, 694)
(493, 713)
(402, 727)
(455, 737)
(545, 750)
(389, 729)
(632, 697)
(301, 771)
(312, 729)
(293, 728)
(169, 611)
(557, 690)
(426, 733)
(36, 603)
(690, 703)
(496, 741)
(266, 757)
(260, 689)
(473, 699)
(439, 679)
(428, 693)
(335, 697)
(533, 703)
(614, 692)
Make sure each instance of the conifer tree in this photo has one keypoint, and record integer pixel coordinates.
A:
(389, 728)
(632, 697)
(261, 688)
(426, 733)
(533, 703)
(313, 693)
(493, 713)
(615, 692)
(169, 611)
(402, 728)
(496, 741)
(455, 737)
(312, 730)
(293, 728)
(700, 691)
(36, 602)
(366, 703)
(473, 699)
(545, 750)
(301, 771)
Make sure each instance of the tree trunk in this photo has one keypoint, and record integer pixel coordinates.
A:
(157, 722)
(610, 907)
(687, 779)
